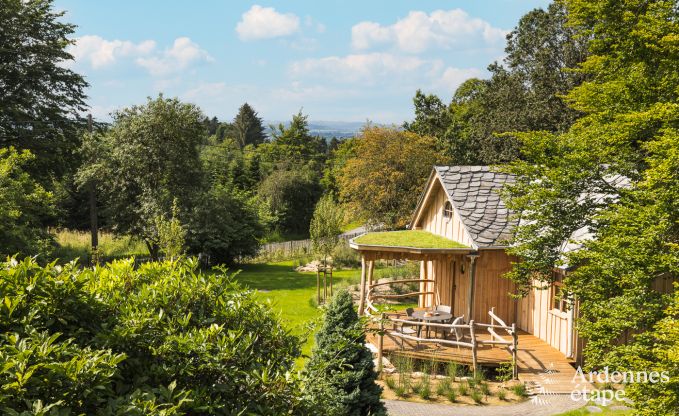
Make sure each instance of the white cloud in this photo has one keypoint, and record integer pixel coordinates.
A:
(357, 68)
(420, 31)
(99, 52)
(265, 23)
(180, 56)
(453, 77)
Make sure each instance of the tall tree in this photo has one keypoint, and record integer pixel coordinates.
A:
(147, 160)
(326, 226)
(524, 94)
(383, 178)
(629, 131)
(247, 126)
(41, 98)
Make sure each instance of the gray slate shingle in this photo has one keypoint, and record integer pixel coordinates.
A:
(474, 191)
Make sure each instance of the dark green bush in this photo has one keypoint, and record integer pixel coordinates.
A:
(163, 339)
(341, 375)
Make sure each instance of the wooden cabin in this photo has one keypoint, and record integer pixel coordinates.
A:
(463, 205)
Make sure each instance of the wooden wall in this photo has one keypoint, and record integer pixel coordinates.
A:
(490, 289)
(536, 316)
(432, 218)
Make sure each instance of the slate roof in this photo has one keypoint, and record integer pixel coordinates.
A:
(474, 192)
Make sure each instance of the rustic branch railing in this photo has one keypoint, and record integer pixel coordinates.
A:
(473, 344)
(371, 295)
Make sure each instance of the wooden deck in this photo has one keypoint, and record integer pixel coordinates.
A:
(542, 367)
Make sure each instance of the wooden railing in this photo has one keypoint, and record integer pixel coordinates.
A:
(372, 294)
(473, 343)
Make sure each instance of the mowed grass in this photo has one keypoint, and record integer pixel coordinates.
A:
(604, 411)
(291, 293)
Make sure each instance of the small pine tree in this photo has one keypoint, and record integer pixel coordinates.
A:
(341, 374)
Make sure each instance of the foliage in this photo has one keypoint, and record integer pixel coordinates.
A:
(341, 367)
(326, 226)
(523, 95)
(383, 179)
(146, 161)
(614, 172)
(247, 127)
(661, 354)
(24, 207)
(171, 234)
(291, 196)
(41, 97)
(163, 339)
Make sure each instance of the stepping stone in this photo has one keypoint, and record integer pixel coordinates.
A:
(620, 407)
(594, 409)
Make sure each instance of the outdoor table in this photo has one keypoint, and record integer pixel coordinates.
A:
(436, 316)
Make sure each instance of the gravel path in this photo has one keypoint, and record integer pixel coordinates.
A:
(542, 405)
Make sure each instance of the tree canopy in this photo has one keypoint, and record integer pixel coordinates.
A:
(384, 177)
(42, 98)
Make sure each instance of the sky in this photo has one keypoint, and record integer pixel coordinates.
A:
(334, 60)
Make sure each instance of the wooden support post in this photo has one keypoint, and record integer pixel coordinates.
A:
(515, 351)
(318, 286)
(330, 281)
(325, 284)
(361, 297)
(473, 339)
(380, 344)
(371, 268)
(472, 278)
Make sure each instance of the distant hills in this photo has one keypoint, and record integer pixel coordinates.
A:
(330, 129)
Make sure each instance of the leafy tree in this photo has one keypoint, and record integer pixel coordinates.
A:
(41, 98)
(568, 180)
(148, 159)
(385, 175)
(524, 95)
(326, 226)
(340, 374)
(247, 127)
(24, 207)
(291, 195)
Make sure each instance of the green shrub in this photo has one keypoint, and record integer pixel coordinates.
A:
(505, 372)
(340, 374)
(519, 390)
(502, 394)
(390, 382)
(485, 389)
(476, 396)
(451, 395)
(443, 386)
(162, 339)
(463, 388)
(452, 370)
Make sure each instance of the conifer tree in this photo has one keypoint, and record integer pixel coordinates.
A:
(341, 374)
(248, 127)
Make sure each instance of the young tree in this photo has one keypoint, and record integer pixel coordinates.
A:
(326, 226)
(383, 178)
(171, 234)
(248, 127)
(340, 374)
(24, 207)
(41, 98)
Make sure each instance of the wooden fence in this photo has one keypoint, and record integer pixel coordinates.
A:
(288, 249)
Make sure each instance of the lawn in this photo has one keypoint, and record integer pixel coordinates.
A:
(605, 410)
(291, 292)
(407, 238)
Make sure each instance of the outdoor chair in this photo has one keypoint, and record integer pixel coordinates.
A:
(444, 309)
(406, 329)
(458, 333)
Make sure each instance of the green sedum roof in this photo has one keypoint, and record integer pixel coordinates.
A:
(407, 238)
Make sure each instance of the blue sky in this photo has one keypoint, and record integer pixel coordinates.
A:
(338, 60)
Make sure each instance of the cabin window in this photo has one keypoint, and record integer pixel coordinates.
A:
(559, 298)
(447, 211)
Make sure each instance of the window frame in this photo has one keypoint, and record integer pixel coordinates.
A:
(558, 302)
(448, 211)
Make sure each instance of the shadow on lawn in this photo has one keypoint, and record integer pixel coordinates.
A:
(279, 277)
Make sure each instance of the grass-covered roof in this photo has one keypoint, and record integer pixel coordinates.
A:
(407, 238)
